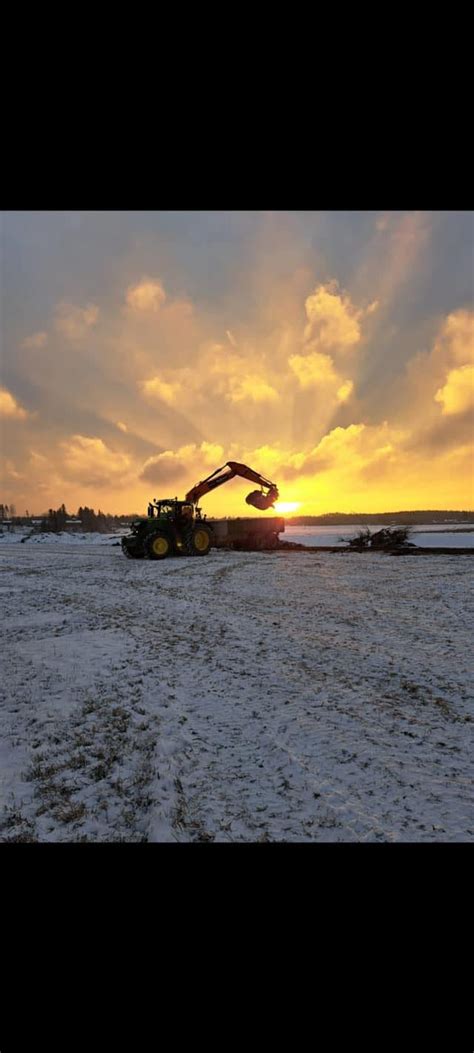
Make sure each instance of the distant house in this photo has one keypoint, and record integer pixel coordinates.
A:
(73, 525)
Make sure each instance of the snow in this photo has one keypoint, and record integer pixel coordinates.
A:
(19, 536)
(238, 697)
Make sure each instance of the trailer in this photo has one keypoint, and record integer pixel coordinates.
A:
(246, 533)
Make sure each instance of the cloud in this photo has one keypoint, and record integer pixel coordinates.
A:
(456, 337)
(38, 460)
(250, 388)
(186, 461)
(36, 340)
(9, 407)
(88, 460)
(445, 434)
(442, 375)
(313, 370)
(148, 296)
(73, 322)
(457, 395)
(9, 470)
(333, 320)
(155, 388)
(217, 374)
(326, 361)
(317, 375)
(237, 377)
(391, 259)
(345, 391)
(165, 467)
(347, 450)
(211, 452)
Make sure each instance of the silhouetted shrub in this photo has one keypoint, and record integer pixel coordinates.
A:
(387, 538)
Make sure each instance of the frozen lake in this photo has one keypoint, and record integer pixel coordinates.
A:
(452, 536)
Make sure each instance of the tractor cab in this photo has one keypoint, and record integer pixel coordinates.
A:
(170, 508)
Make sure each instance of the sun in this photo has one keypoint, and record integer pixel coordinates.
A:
(287, 506)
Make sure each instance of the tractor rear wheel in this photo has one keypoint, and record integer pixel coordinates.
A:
(199, 542)
(158, 546)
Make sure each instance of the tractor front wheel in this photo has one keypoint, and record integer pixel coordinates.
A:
(158, 546)
(131, 553)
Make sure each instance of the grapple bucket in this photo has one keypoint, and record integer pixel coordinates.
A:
(260, 500)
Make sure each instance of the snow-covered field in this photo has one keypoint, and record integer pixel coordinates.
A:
(240, 697)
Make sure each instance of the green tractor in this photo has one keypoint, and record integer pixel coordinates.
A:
(171, 527)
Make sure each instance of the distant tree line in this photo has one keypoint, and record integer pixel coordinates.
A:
(57, 519)
(90, 521)
(407, 518)
(7, 512)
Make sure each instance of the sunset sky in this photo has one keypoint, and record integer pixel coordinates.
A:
(330, 351)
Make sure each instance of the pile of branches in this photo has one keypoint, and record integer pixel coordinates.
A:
(386, 539)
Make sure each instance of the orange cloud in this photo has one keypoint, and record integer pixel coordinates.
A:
(219, 373)
(147, 296)
(9, 470)
(9, 407)
(155, 388)
(317, 371)
(313, 370)
(333, 320)
(457, 395)
(163, 468)
(345, 450)
(36, 340)
(440, 381)
(345, 391)
(251, 388)
(88, 460)
(456, 337)
(74, 322)
(187, 461)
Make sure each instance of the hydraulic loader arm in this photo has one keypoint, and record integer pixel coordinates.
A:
(257, 498)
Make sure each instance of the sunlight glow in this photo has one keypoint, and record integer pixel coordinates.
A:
(286, 506)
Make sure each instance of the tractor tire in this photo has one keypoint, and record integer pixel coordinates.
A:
(199, 541)
(131, 555)
(158, 546)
